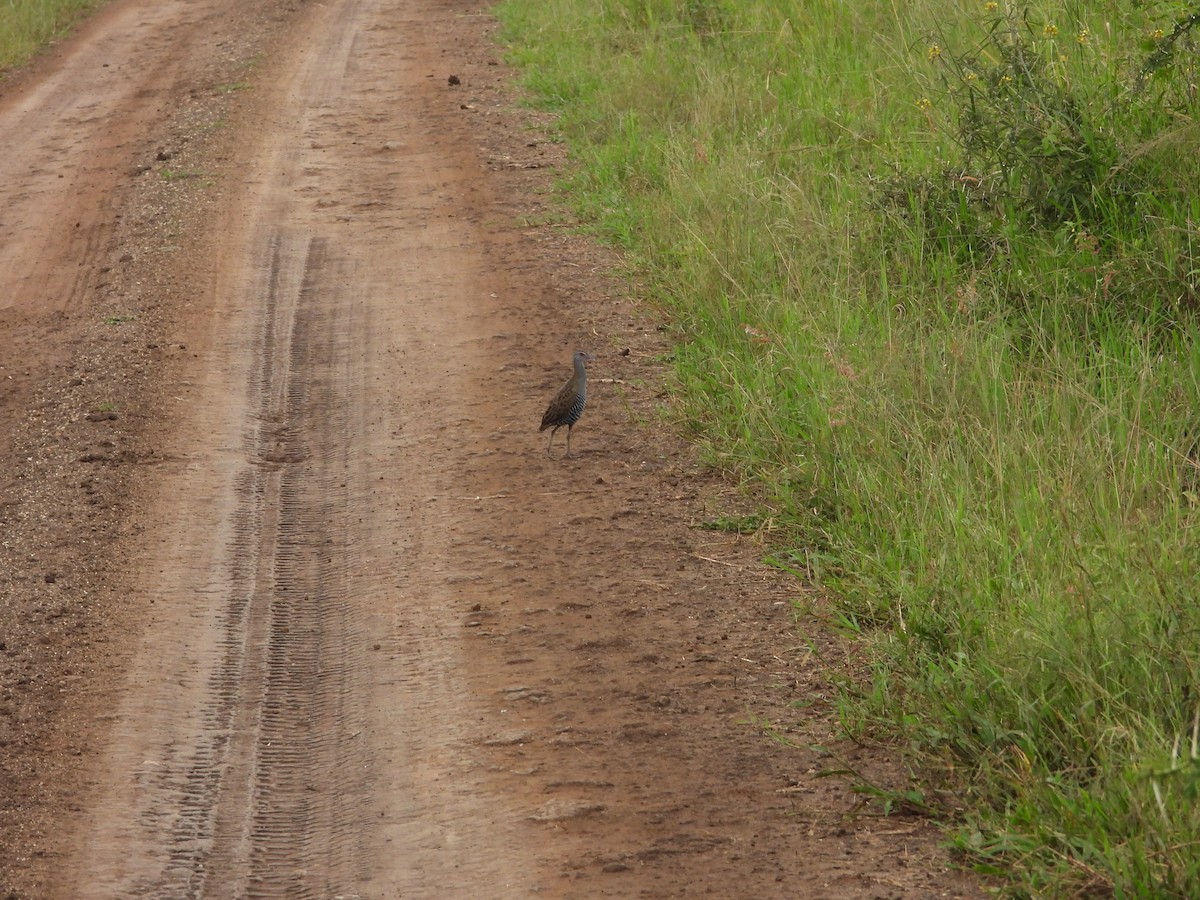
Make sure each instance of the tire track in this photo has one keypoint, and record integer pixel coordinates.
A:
(285, 811)
(265, 798)
(259, 757)
(307, 786)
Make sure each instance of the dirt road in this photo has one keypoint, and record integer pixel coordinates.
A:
(294, 603)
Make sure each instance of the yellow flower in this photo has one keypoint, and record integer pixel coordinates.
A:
(1157, 34)
(1050, 30)
(924, 103)
(1006, 79)
(1083, 36)
(969, 75)
(991, 6)
(933, 52)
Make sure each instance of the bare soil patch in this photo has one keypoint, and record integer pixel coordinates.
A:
(292, 602)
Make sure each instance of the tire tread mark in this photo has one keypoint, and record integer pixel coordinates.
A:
(270, 800)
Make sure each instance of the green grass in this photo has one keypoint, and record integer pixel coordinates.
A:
(178, 174)
(935, 272)
(26, 26)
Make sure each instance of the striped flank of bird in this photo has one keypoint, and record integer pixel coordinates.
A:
(567, 405)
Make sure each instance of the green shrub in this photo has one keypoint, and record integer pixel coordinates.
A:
(1069, 148)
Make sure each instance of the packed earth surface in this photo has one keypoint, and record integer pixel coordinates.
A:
(293, 602)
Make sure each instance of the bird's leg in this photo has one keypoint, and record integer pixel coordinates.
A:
(551, 444)
(569, 427)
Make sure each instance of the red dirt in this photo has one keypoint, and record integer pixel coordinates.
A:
(292, 602)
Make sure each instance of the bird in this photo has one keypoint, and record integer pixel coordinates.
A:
(567, 405)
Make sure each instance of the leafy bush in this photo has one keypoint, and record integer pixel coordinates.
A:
(1065, 149)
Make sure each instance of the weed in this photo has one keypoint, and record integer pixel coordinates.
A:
(178, 175)
(751, 524)
(1064, 159)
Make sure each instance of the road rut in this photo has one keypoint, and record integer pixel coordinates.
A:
(351, 314)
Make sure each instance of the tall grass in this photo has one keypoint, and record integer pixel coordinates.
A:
(26, 26)
(936, 277)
